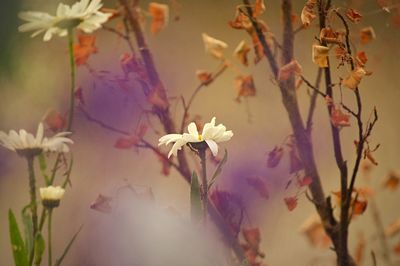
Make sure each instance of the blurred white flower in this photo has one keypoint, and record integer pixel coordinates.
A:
(51, 196)
(25, 143)
(83, 15)
(211, 134)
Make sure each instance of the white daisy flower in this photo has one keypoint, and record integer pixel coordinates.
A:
(51, 196)
(211, 135)
(26, 144)
(83, 15)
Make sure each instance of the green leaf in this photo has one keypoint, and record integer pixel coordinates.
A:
(39, 248)
(58, 261)
(218, 170)
(195, 198)
(18, 247)
(43, 168)
(28, 228)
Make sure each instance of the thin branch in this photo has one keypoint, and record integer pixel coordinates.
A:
(313, 100)
(187, 106)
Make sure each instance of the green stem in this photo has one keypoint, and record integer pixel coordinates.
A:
(204, 183)
(33, 204)
(73, 77)
(49, 235)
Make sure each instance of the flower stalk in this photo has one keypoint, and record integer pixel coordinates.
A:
(33, 204)
(204, 182)
(49, 221)
(73, 78)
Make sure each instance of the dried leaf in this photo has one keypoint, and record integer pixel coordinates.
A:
(320, 55)
(313, 229)
(361, 59)
(308, 14)
(84, 48)
(213, 46)
(160, 16)
(258, 184)
(133, 140)
(245, 87)
(359, 206)
(79, 95)
(241, 52)
(102, 204)
(274, 157)
(330, 36)
(155, 99)
(354, 79)
(393, 228)
(338, 118)
(396, 249)
(130, 64)
(251, 247)
(392, 181)
(288, 70)
(241, 21)
(291, 203)
(204, 76)
(54, 120)
(367, 34)
(259, 8)
(353, 15)
(305, 181)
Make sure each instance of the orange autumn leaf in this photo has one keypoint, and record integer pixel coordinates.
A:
(241, 52)
(241, 21)
(288, 70)
(313, 229)
(305, 181)
(393, 228)
(160, 16)
(259, 185)
(102, 204)
(338, 118)
(291, 202)
(251, 247)
(308, 13)
(84, 48)
(274, 157)
(367, 34)
(259, 8)
(204, 76)
(359, 206)
(130, 64)
(213, 46)
(54, 120)
(155, 99)
(133, 140)
(353, 15)
(340, 53)
(361, 59)
(320, 55)
(396, 249)
(78, 94)
(329, 35)
(245, 87)
(392, 180)
(355, 77)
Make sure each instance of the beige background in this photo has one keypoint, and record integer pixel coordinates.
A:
(39, 79)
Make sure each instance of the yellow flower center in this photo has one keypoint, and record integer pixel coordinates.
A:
(200, 137)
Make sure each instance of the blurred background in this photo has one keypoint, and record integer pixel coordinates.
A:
(34, 77)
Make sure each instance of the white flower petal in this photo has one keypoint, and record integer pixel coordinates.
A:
(192, 129)
(213, 146)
